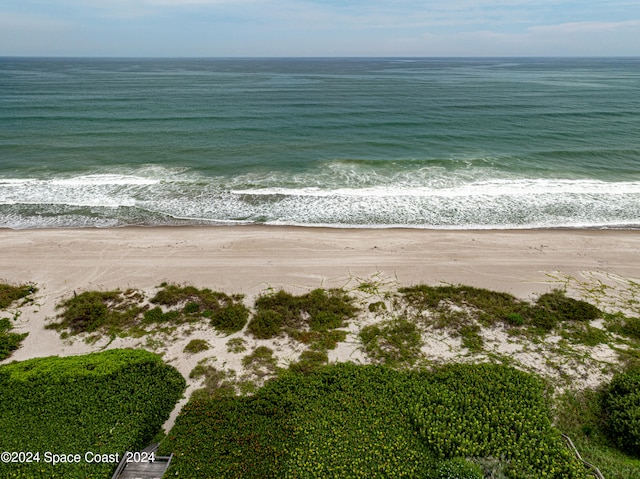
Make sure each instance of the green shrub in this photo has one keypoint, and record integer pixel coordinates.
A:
(542, 319)
(105, 402)
(327, 340)
(236, 345)
(622, 410)
(309, 361)
(459, 468)
(230, 318)
(585, 334)
(9, 342)
(318, 310)
(196, 346)
(631, 327)
(377, 306)
(352, 421)
(489, 307)
(515, 319)
(393, 342)
(191, 308)
(116, 312)
(327, 309)
(487, 410)
(190, 297)
(94, 310)
(579, 414)
(564, 308)
(9, 293)
(266, 324)
(156, 315)
(260, 362)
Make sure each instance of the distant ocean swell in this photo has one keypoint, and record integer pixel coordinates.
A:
(341, 194)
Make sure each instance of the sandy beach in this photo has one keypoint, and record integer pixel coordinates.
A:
(248, 259)
(251, 259)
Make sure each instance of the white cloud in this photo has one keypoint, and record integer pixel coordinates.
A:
(586, 27)
(317, 27)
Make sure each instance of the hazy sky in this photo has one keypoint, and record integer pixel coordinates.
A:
(219, 28)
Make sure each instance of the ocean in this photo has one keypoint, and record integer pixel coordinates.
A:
(476, 143)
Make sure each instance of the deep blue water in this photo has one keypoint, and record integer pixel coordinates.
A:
(436, 143)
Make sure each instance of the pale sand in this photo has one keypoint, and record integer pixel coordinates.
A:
(250, 259)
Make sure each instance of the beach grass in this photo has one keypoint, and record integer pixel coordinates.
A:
(12, 295)
(393, 327)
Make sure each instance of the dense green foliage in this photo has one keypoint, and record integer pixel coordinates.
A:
(227, 313)
(106, 402)
(490, 307)
(489, 411)
(123, 312)
(580, 415)
(9, 341)
(353, 421)
(319, 311)
(622, 410)
(93, 310)
(9, 294)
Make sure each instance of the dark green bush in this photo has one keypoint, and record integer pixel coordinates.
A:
(156, 315)
(265, 324)
(621, 404)
(564, 308)
(514, 319)
(87, 311)
(230, 318)
(190, 296)
(353, 421)
(327, 309)
(490, 307)
(319, 310)
(9, 341)
(93, 310)
(117, 312)
(631, 327)
(191, 308)
(106, 402)
(542, 319)
(9, 294)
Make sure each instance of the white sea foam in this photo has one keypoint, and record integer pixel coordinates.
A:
(102, 179)
(494, 188)
(159, 196)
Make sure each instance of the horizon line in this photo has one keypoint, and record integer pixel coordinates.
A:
(318, 57)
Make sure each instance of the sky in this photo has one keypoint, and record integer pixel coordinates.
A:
(310, 28)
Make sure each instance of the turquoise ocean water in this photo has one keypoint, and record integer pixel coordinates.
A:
(433, 143)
